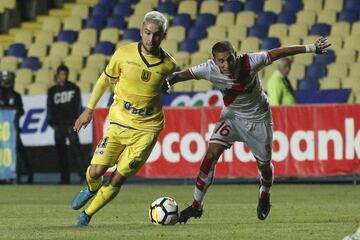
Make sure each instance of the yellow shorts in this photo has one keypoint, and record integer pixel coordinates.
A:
(126, 147)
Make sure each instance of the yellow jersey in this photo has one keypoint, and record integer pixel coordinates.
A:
(137, 94)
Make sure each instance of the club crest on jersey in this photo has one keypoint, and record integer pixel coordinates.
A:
(145, 75)
(103, 142)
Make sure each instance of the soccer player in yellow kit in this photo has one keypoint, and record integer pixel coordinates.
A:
(136, 116)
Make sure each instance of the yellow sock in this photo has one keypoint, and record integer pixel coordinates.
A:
(93, 184)
(105, 194)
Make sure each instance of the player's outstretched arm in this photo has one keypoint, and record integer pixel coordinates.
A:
(84, 119)
(174, 78)
(319, 47)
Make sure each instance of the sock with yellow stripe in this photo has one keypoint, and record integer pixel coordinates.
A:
(93, 184)
(105, 194)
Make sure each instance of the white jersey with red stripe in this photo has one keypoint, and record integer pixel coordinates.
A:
(244, 96)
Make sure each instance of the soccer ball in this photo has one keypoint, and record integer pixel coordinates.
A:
(164, 211)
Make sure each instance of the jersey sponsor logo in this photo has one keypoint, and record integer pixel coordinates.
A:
(103, 142)
(99, 152)
(63, 97)
(145, 75)
(142, 112)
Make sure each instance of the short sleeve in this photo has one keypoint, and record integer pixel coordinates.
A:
(113, 69)
(201, 71)
(259, 60)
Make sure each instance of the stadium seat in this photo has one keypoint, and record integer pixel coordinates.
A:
(325, 59)
(199, 57)
(37, 89)
(183, 19)
(237, 32)
(330, 83)
(101, 11)
(206, 44)
(287, 17)
(225, 19)
(168, 8)
(85, 87)
(141, 8)
(340, 28)
(273, 6)
(355, 29)
(16, 50)
(315, 70)
(205, 20)
(291, 40)
(122, 9)
(305, 59)
(233, 6)
(44, 37)
(255, 6)
(51, 62)
(182, 59)
(74, 62)
(313, 5)
(336, 42)
(250, 44)
(186, 86)
(9, 63)
(106, 48)
(116, 22)
(176, 33)
(298, 30)
(352, 5)
(202, 85)
(196, 33)
(266, 18)
(44, 76)
(351, 83)
(68, 36)
(81, 49)
(88, 35)
(52, 24)
(348, 15)
(73, 23)
(132, 34)
(211, 7)
(130, 2)
(135, 21)
(188, 7)
(270, 43)
(259, 31)
(306, 16)
(96, 62)
(170, 46)
(336, 5)
(245, 18)
(1, 50)
(189, 45)
(109, 35)
(217, 32)
(59, 49)
(279, 30)
(24, 76)
(294, 5)
(354, 71)
(89, 75)
(80, 10)
(308, 84)
(321, 29)
(94, 23)
(337, 69)
(297, 72)
(347, 56)
(32, 63)
(327, 16)
(25, 37)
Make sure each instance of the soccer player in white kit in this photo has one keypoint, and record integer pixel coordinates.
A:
(245, 117)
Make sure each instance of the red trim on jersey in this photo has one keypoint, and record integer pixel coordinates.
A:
(239, 85)
(268, 58)
(192, 74)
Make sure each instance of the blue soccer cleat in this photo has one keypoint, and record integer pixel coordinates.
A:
(83, 219)
(81, 198)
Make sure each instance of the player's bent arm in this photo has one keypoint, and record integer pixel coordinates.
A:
(318, 47)
(179, 77)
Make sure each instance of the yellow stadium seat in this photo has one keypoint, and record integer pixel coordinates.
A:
(154, 3)
(96, 62)
(235, 42)
(306, 16)
(176, 33)
(313, 5)
(210, 7)
(189, 7)
(87, 2)
(238, 32)
(32, 26)
(25, 37)
(351, 83)
(336, 42)
(81, 49)
(51, 62)
(336, 5)
(338, 69)
(110, 35)
(85, 87)
(357, 99)
(73, 23)
(340, 28)
(45, 76)
(352, 42)
(9, 4)
(44, 37)
(141, 8)
(354, 70)
(330, 83)
(20, 88)
(291, 40)
(246, 18)
(74, 62)
(199, 57)
(170, 46)
(59, 49)
(225, 19)
(273, 6)
(202, 85)
(206, 44)
(52, 24)
(89, 75)
(217, 32)
(1, 51)
(250, 44)
(135, 21)
(326, 16)
(298, 30)
(24, 76)
(279, 30)
(182, 59)
(88, 35)
(310, 39)
(355, 29)
(347, 56)
(37, 50)
(37, 89)
(297, 71)
(80, 10)
(305, 59)
(9, 63)
(73, 74)
(186, 86)
(59, 12)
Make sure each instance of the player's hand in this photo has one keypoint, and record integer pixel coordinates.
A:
(166, 84)
(84, 119)
(321, 45)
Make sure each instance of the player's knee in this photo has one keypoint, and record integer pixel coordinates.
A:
(116, 179)
(96, 171)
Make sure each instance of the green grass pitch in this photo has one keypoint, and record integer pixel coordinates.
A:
(298, 212)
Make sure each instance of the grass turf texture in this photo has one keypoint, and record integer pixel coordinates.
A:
(298, 212)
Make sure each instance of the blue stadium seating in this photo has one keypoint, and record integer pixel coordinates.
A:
(182, 19)
(197, 33)
(205, 20)
(293, 5)
(308, 84)
(349, 16)
(132, 34)
(109, 3)
(325, 59)
(68, 36)
(101, 11)
(116, 21)
(254, 5)
(233, 6)
(287, 17)
(105, 47)
(189, 45)
(315, 70)
(122, 9)
(266, 18)
(352, 4)
(321, 29)
(95, 23)
(259, 31)
(16, 50)
(131, 2)
(167, 8)
(270, 43)
(32, 63)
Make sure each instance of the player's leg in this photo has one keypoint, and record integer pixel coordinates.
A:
(62, 154)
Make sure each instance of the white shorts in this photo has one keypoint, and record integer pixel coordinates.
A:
(258, 136)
